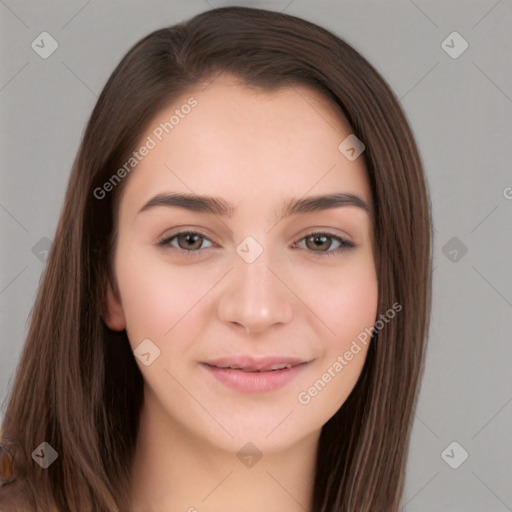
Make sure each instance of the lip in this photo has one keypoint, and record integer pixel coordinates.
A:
(256, 381)
(252, 363)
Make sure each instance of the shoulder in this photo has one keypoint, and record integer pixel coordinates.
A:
(15, 497)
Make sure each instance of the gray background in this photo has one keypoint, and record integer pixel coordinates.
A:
(461, 112)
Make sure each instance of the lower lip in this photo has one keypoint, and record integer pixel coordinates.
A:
(255, 382)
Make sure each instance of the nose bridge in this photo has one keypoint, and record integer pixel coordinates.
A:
(254, 296)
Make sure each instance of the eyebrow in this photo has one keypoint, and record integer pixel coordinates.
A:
(220, 207)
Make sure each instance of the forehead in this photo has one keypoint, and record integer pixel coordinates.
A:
(247, 145)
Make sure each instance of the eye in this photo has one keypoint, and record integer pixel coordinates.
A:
(190, 243)
(322, 240)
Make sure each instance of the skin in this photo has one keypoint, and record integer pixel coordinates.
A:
(254, 149)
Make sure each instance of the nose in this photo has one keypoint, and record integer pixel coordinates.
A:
(256, 296)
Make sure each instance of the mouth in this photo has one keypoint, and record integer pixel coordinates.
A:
(274, 368)
(248, 375)
(256, 365)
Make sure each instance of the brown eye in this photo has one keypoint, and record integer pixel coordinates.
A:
(188, 242)
(321, 244)
(318, 242)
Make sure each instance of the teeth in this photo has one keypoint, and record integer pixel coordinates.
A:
(280, 366)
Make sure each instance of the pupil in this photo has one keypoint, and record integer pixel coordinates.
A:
(190, 238)
(319, 240)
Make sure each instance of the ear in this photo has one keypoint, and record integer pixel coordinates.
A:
(114, 314)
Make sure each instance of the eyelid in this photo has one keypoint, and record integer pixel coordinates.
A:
(183, 231)
(345, 243)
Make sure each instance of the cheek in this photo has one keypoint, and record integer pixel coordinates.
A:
(349, 309)
(154, 295)
(345, 298)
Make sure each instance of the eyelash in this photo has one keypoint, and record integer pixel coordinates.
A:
(344, 244)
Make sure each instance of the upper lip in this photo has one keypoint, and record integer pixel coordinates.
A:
(252, 363)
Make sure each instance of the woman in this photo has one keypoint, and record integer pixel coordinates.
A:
(275, 367)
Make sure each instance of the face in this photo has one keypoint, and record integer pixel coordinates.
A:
(253, 284)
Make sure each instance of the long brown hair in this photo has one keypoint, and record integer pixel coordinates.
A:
(77, 386)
